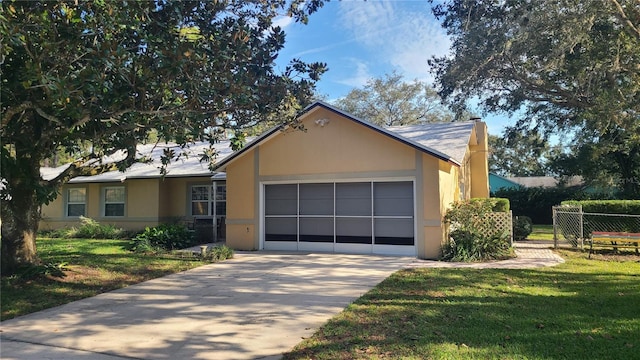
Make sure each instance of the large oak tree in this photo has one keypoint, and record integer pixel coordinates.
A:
(107, 73)
(563, 66)
(519, 154)
(392, 101)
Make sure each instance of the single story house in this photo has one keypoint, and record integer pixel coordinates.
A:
(546, 181)
(497, 182)
(346, 185)
(340, 185)
(139, 197)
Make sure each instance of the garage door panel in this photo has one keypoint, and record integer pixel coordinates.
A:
(281, 229)
(316, 229)
(316, 199)
(353, 199)
(393, 199)
(393, 231)
(353, 230)
(281, 199)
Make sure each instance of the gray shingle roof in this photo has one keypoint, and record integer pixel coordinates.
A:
(446, 141)
(450, 138)
(183, 167)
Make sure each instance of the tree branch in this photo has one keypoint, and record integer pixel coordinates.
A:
(51, 118)
(92, 165)
(12, 111)
(623, 16)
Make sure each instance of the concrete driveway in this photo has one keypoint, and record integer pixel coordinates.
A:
(255, 306)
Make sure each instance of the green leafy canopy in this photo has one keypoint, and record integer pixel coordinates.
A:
(110, 72)
(391, 101)
(105, 75)
(564, 67)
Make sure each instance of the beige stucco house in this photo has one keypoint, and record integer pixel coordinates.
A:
(341, 185)
(189, 192)
(345, 185)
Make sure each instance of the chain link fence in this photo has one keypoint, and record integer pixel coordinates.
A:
(573, 227)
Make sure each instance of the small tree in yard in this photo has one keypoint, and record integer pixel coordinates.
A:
(108, 73)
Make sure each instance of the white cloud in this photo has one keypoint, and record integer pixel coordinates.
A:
(282, 21)
(360, 77)
(400, 35)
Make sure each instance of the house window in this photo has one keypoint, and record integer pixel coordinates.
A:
(221, 199)
(200, 200)
(209, 200)
(76, 202)
(114, 200)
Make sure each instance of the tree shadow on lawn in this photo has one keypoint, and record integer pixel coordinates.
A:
(467, 313)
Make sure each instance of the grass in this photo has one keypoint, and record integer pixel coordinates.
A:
(91, 267)
(541, 232)
(582, 309)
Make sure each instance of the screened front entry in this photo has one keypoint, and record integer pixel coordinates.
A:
(357, 217)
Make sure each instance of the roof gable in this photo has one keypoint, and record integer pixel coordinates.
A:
(445, 141)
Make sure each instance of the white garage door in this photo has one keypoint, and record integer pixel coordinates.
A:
(356, 217)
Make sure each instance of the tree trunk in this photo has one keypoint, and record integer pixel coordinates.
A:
(20, 217)
(20, 211)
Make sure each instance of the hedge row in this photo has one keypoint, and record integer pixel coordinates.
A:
(537, 203)
(631, 207)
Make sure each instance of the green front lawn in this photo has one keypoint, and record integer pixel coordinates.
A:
(583, 309)
(92, 267)
(541, 232)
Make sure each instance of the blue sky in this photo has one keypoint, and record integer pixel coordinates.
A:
(360, 40)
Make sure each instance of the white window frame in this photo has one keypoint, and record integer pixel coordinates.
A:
(212, 200)
(105, 202)
(216, 200)
(68, 201)
(208, 201)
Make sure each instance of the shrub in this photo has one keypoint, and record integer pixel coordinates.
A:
(629, 207)
(594, 222)
(473, 235)
(522, 227)
(88, 229)
(29, 272)
(164, 237)
(497, 204)
(537, 202)
(218, 253)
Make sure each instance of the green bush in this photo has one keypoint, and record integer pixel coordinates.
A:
(537, 202)
(164, 237)
(629, 207)
(522, 227)
(29, 272)
(218, 253)
(595, 222)
(497, 204)
(473, 235)
(89, 229)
